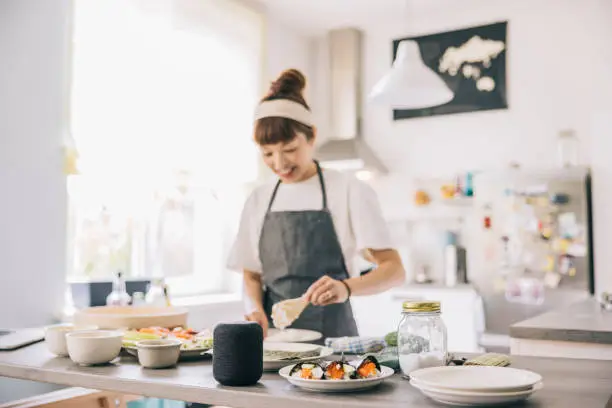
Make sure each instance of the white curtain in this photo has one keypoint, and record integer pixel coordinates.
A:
(165, 84)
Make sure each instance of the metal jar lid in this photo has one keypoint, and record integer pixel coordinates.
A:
(415, 307)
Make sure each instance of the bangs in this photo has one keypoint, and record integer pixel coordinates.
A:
(274, 130)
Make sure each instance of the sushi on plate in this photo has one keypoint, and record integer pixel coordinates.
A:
(339, 370)
(307, 371)
(368, 368)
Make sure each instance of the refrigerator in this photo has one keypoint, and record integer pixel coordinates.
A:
(531, 243)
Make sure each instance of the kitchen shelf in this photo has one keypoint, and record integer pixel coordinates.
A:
(458, 201)
(532, 174)
(437, 211)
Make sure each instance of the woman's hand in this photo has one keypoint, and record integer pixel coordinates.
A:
(327, 291)
(259, 316)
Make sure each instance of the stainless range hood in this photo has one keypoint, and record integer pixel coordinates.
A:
(345, 148)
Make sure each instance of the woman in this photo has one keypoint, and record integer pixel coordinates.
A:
(296, 233)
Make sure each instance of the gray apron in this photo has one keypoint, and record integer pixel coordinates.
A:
(296, 248)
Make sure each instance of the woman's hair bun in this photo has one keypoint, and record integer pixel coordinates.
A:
(290, 82)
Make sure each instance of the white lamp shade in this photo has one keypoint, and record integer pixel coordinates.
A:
(410, 84)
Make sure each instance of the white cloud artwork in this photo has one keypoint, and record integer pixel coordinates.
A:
(485, 84)
(475, 50)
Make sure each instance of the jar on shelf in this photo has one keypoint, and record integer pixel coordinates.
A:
(568, 148)
(421, 337)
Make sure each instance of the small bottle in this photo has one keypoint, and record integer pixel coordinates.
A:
(166, 295)
(450, 259)
(155, 295)
(119, 295)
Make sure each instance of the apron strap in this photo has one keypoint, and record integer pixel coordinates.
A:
(323, 192)
(321, 182)
(273, 196)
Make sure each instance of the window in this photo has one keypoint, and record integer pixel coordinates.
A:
(161, 112)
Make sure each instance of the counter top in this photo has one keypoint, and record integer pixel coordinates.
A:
(583, 322)
(568, 383)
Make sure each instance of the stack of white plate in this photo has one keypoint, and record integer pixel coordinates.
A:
(476, 385)
(275, 363)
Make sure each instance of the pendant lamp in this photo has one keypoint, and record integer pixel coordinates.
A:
(410, 84)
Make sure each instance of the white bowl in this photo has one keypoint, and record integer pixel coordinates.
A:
(55, 337)
(90, 347)
(158, 353)
(270, 364)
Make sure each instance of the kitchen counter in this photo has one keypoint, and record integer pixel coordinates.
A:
(583, 322)
(568, 383)
(582, 328)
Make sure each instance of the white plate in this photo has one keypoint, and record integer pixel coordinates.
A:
(476, 378)
(275, 365)
(474, 398)
(336, 385)
(292, 336)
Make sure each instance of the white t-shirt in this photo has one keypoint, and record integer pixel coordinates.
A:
(352, 203)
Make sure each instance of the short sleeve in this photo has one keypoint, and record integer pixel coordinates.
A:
(243, 253)
(367, 223)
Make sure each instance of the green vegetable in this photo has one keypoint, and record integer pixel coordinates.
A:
(391, 339)
(137, 336)
(130, 338)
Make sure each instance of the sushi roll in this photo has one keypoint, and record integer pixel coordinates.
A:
(307, 371)
(339, 370)
(368, 368)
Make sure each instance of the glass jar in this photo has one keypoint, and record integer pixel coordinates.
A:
(138, 299)
(421, 337)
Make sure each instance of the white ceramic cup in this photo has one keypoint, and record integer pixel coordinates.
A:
(90, 347)
(55, 337)
(160, 353)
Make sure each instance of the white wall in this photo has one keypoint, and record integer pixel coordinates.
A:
(33, 47)
(558, 54)
(33, 72)
(286, 49)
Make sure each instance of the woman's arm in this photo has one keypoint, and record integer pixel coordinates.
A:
(388, 274)
(253, 289)
(254, 292)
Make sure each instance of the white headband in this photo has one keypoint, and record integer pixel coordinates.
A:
(284, 108)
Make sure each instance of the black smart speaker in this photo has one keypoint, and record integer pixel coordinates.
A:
(237, 353)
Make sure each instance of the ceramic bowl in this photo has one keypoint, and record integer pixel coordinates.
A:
(158, 353)
(90, 347)
(55, 337)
